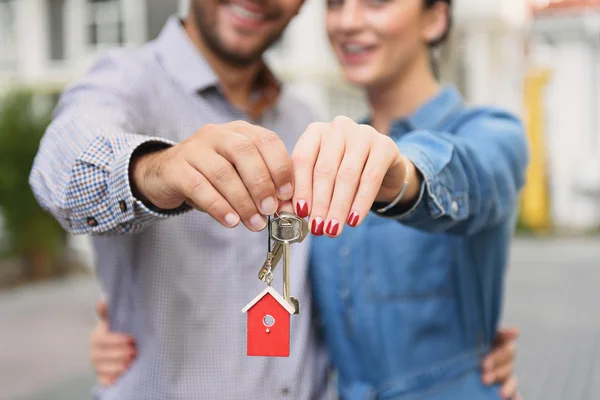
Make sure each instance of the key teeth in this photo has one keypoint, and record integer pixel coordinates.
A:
(296, 304)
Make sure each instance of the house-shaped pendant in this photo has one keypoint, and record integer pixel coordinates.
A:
(268, 325)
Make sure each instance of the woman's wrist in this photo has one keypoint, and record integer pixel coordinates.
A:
(415, 181)
(407, 192)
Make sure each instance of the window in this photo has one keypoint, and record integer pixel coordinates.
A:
(8, 51)
(56, 13)
(105, 22)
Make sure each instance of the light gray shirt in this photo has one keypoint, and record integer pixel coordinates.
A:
(177, 283)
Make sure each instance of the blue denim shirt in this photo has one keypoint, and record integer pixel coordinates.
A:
(409, 304)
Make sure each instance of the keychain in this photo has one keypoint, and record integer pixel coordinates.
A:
(269, 313)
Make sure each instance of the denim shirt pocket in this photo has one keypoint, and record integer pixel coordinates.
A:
(402, 263)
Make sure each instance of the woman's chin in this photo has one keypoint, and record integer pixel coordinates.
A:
(357, 78)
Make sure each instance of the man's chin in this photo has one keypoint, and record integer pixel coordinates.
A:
(241, 56)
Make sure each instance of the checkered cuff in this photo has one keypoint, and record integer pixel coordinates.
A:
(126, 208)
(102, 188)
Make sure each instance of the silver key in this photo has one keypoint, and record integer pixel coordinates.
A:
(287, 229)
(271, 262)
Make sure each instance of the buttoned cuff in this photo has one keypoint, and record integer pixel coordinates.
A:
(125, 207)
(437, 197)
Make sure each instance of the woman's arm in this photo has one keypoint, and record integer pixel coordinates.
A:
(471, 178)
(111, 354)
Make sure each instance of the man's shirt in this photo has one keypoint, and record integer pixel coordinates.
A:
(177, 281)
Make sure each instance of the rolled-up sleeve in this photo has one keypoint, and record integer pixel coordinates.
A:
(471, 177)
(81, 171)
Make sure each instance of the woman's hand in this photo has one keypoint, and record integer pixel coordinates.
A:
(341, 168)
(499, 365)
(110, 353)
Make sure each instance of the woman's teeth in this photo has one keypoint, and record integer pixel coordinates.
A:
(354, 48)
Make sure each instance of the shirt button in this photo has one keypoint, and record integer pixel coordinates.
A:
(123, 205)
(454, 207)
(285, 391)
(91, 221)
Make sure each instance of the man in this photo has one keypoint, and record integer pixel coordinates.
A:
(147, 135)
(179, 285)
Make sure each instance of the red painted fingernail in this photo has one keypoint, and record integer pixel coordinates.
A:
(353, 218)
(317, 226)
(302, 209)
(332, 227)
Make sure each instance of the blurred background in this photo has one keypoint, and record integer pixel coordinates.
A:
(539, 59)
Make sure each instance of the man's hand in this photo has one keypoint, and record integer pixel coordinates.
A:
(111, 354)
(341, 168)
(232, 171)
(499, 365)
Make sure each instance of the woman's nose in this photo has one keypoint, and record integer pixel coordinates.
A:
(352, 16)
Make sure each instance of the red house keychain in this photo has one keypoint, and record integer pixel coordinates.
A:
(269, 324)
(269, 313)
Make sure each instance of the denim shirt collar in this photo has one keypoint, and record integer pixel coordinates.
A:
(432, 115)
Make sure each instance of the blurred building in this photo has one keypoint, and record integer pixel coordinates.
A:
(48, 43)
(566, 46)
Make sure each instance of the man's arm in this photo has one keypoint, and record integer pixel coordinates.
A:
(470, 179)
(81, 171)
(97, 172)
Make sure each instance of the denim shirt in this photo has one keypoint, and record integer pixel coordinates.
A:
(410, 303)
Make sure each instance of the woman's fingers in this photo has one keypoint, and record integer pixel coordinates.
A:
(503, 353)
(333, 146)
(358, 146)
(383, 152)
(304, 158)
(508, 391)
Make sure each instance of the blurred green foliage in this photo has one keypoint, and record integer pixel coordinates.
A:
(32, 235)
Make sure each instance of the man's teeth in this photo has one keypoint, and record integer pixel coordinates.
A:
(354, 48)
(244, 13)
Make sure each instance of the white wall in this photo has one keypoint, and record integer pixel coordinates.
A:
(573, 109)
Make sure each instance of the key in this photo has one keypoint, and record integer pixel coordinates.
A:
(287, 229)
(271, 262)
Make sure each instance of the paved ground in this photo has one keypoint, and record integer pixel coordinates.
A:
(553, 294)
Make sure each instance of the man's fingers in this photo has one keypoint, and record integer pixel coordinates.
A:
(304, 158)
(114, 354)
(285, 206)
(245, 160)
(224, 196)
(275, 156)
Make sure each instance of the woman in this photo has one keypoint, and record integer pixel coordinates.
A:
(410, 297)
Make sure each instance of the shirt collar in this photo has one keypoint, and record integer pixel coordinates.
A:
(185, 63)
(182, 61)
(432, 114)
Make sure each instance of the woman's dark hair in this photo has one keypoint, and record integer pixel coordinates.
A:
(441, 39)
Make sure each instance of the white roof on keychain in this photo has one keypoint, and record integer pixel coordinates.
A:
(289, 308)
